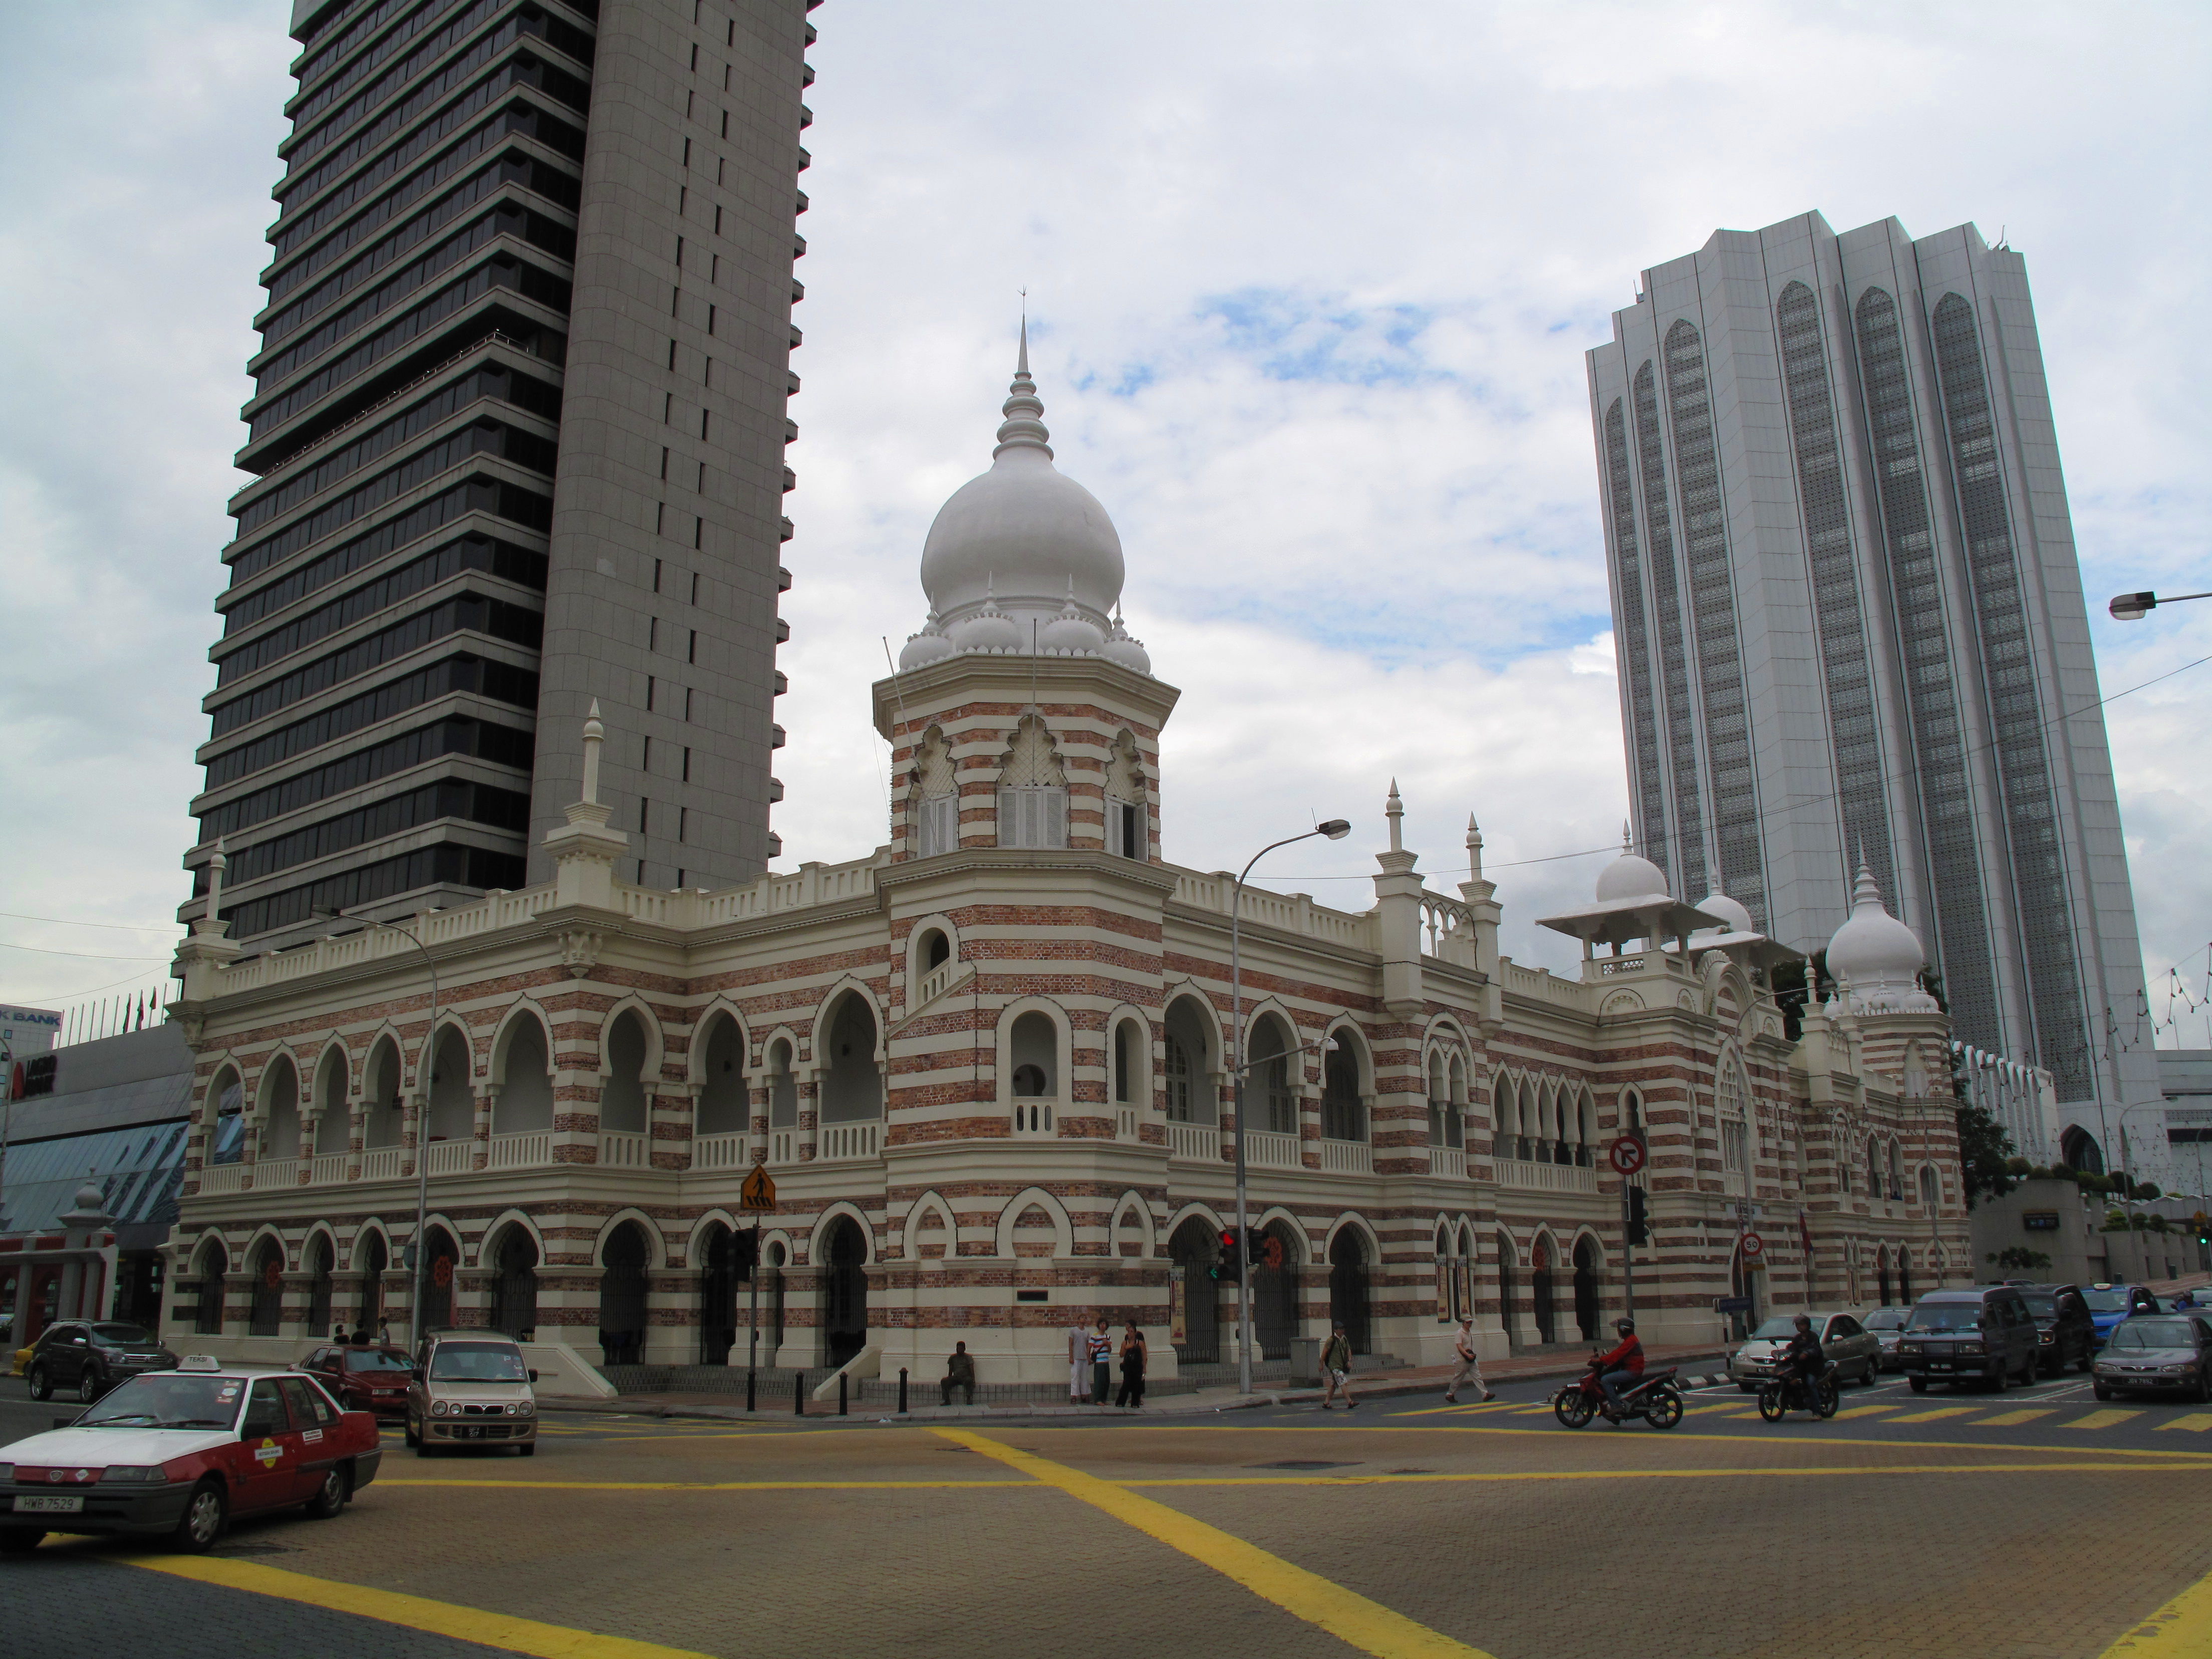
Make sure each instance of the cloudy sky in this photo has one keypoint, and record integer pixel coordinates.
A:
(1309, 287)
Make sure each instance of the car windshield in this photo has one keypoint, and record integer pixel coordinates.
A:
(2152, 1334)
(1886, 1319)
(123, 1336)
(1946, 1317)
(167, 1400)
(476, 1362)
(375, 1360)
(1779, 1329)
(2113, 1301)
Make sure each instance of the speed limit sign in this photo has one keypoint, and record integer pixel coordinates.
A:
(1753, 1247)
(1627, 1154)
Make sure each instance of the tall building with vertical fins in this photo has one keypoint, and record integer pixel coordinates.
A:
(517, 444)
(1850, 628)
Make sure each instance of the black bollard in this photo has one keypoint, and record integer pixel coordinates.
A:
(841, 1393)
(752, 1379)
(799, 1394)
(901, 1391)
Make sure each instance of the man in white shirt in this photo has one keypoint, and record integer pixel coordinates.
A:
(1100, 1347)
(1078, 1365)
(1467, 1364)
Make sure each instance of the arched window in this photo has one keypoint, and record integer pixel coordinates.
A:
(1269, 1086)
(1127, 832)
(1874, 1169)
(525, 1102)
(1343, 1112)
(332, 1129)
(442, 1258)
(1131, 1085)
(453, 1101)
(320, 1259)
(1186, 1060)
(1896, 1172)
(371, 1256)
(214, 1265)
(852, 1085)
(932, 950)
(1347, 1286)
(1928, 1188)
(280, 1110)
(724, 1106)
(514, 1290)
(1736, 1150)
(1193, 1250)
(1033, 1052)
(782, 1088)
(1032, 790)
(935, 795)
(622, 1287)
(381, 1117)
(622, 1095)
(268, 1290)
(1632, 1111)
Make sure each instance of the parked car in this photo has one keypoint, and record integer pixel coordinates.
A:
(2110, 1303)
(471, 1388)
(2065, 1330)
(1849, 1345)
(88, 1357)
(1886, 1326)
(179, 1452)
(2158, 1352)
(1984, 1335)
(364, 1377)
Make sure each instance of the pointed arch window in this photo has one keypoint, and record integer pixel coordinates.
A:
(1128, 832)
(1032, 790)
(936, 797)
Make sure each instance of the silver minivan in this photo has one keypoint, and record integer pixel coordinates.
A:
(472, 1389)
(1984, 1335)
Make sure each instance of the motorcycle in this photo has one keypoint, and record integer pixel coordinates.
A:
(1657, 1399)
(1780, 1395)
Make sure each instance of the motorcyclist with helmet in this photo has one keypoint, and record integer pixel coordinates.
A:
(1621, 1367)
(1803, 1361)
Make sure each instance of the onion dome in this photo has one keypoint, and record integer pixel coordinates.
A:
(1072, 631)
(1876, 955)
(927, 647)
(1737, 918)
(1023, 533)
(1119, 647)
(987, 628)
(1629, 876)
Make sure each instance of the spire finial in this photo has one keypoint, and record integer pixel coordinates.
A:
(1627, 841)
(595, 733)
(1024, 429)
(1395, 810)
(1474, 849)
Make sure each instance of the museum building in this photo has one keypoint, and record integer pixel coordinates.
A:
(990, 1067)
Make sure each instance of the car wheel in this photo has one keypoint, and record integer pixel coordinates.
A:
(206, 1513)
(18, 1540)
(407, 1433)
(528, 1449)
(1746, 1387)
(2203, 1392)
(1920, 1384)
(88, 1386)
(2101, 1391)
(330, 1497)
(42, 1386)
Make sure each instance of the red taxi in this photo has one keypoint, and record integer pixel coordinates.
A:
(363, 1376)
(179, 1453)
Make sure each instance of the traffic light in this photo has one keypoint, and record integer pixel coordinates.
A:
(745, 1254)
(1639, 1220)
(1224, 1264)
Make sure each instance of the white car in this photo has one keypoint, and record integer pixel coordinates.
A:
(1849, 1347)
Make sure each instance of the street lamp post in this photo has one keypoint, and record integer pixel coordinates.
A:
(1335, 830)
(2134, 607)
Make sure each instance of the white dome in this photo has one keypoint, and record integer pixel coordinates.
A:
(927, 647)
(1737, 918)
(1071, 633)
(1630, 877)
(1024, 531)
(1873, 953)
(1130, 654)
(989, 629)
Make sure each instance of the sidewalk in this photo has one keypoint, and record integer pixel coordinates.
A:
(1369, 1385)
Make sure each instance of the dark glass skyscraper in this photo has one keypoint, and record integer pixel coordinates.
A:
(517, 439)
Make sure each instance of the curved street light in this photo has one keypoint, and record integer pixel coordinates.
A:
(2134, 607)
(1334, 829)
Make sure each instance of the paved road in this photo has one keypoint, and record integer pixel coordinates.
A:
(2039, 1524)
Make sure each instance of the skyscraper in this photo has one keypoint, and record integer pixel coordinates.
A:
(517, 435)
(1849, 626)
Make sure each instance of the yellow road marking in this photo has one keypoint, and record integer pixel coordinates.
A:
(1940, 1411)
(1351, 1617)
(712, 1486)
(1488, 1408)
(491, 1629)
(2098, 1420)
(2196, 1422)
(2006, 1420)
(2182, 1629)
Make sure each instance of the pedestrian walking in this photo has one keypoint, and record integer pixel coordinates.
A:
(1078, 1365)
(1467, 1364)
(1133, 1367)
(1336, 1366)
(1101, 1346)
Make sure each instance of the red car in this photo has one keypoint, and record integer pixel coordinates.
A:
(364, 1377)
(179, 1453)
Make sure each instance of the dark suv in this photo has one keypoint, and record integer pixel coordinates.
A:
(2065, 1331)
(90, 1357)
(1983, 1335)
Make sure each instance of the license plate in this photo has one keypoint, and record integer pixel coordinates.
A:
(1939, 1364)
(55, 1504)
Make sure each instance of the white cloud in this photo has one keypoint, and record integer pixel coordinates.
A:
(1310, 285)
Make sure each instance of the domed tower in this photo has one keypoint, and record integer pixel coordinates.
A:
(1022, 714)
(1876, 959)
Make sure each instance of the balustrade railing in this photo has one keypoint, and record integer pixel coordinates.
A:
(1264, 1149)
(848, 1140)
(444, 1157)
(328, 1168)
(720, 1151)
(783, 1146)
(1448, 1161)
(621, 1150)
(218, 1178)
(272, 1172)
(1347, 1157)
(1545, 1177)
(381, 1164)
(1194, 1143)
(519, 1150)
(1033, 1119)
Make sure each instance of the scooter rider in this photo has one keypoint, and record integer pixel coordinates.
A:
(1622, 1367)
(1804, 1360)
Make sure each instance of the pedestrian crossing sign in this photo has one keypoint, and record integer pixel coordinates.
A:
(758, 1193)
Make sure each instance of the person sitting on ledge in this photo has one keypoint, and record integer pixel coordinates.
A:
(959, 1373)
